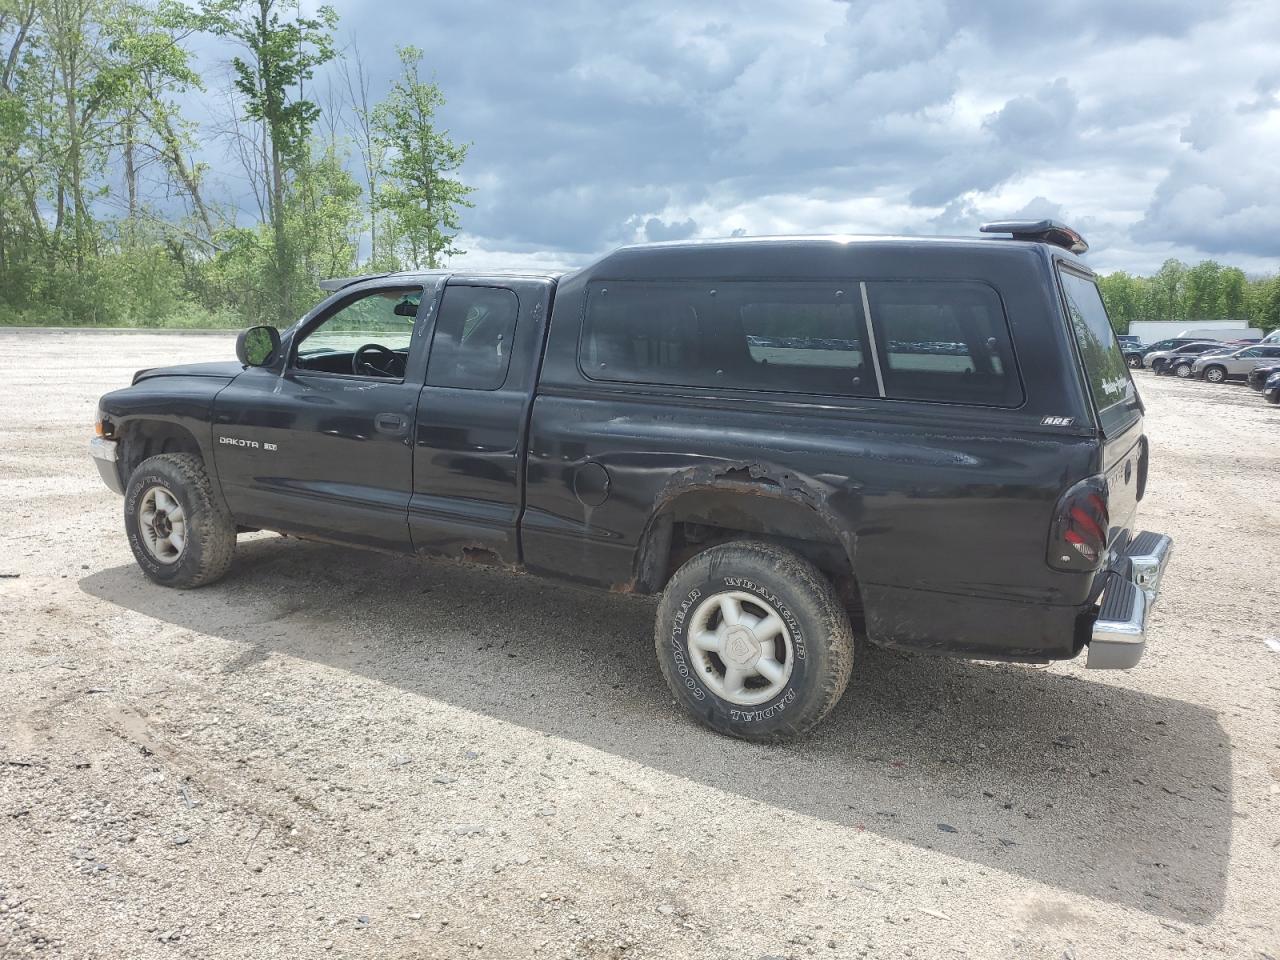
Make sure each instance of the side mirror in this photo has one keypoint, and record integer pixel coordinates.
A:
(257, 346)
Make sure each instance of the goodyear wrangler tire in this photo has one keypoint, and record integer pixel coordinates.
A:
(753, 641)
(180, 535)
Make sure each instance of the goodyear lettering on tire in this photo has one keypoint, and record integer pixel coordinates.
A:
(677, 644)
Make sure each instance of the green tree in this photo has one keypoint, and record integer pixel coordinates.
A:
(1232, 286)
(418, 193)
(79, 82)
(159, 70)
(1264, 298)
(21, 88)
(1167, 300)
(325, 214)
(1202, 291)
(1125, 298)
(94, 151)
(372, 151)
(1206, 291)
(279, 53)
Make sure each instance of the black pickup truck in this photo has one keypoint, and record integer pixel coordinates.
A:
(931, 443)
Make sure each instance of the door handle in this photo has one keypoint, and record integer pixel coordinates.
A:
(391, 423)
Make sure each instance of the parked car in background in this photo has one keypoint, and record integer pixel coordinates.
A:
(1162, 360)
(1271, 390)
(1181, 367)
(1133, 349)
(1171, 343)
(1235, 366)
(1258, 376)
(1272, 337)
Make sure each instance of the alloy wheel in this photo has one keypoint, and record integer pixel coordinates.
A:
(741, 647)
(163, 524)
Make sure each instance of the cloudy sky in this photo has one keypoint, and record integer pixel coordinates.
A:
(1153, 126)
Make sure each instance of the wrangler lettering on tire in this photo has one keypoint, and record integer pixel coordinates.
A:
(753, 641)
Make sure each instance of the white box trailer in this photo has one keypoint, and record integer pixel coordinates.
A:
(1153, 331)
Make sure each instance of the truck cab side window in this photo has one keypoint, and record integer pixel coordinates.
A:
(471, 347)
(380, 322)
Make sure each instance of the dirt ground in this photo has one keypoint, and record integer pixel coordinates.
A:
(339, 754)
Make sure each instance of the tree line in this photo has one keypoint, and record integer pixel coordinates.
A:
(1205, 291)
(107, 214)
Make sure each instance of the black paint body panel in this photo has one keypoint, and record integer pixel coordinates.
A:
(334, 473)
(941, 511)
(468, 445)
(176, 401)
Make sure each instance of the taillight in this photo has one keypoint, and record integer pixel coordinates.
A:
(1078, 538)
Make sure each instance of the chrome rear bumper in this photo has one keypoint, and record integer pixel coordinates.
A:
(1120, 630)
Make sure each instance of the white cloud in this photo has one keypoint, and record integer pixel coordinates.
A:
(1152, 125)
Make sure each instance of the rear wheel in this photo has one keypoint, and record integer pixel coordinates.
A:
(1215, 374)
(1157, 367)
(180, 535)
(1272, 396)
(1135, 362)
(753, 641)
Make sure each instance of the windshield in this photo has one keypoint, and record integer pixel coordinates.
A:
(1104, 365)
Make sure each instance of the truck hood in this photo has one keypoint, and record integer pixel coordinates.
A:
(226, 369)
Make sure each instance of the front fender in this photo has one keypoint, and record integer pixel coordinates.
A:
(173, 403)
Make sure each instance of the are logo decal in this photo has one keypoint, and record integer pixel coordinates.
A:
(1057, 421)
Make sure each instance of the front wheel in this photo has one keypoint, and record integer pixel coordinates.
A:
(1182, 371)
(1272, 396)
(180, 535)
(1157, 367)
(1215, 374)
(753, 641)
(1135, 363)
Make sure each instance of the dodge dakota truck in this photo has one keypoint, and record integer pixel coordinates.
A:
(930, 443)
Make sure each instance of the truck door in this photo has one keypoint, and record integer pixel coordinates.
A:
(469, 433)
(321, 445)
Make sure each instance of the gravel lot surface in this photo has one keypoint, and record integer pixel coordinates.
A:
(339, 754)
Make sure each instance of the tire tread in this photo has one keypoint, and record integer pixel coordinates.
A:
(211, 524)
(836, 632)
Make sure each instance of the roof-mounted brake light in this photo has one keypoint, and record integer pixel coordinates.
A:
(1040, 231)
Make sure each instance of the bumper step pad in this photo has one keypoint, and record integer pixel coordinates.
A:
(1120, 630)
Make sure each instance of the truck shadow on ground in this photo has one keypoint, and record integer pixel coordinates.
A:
(1088, 787)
